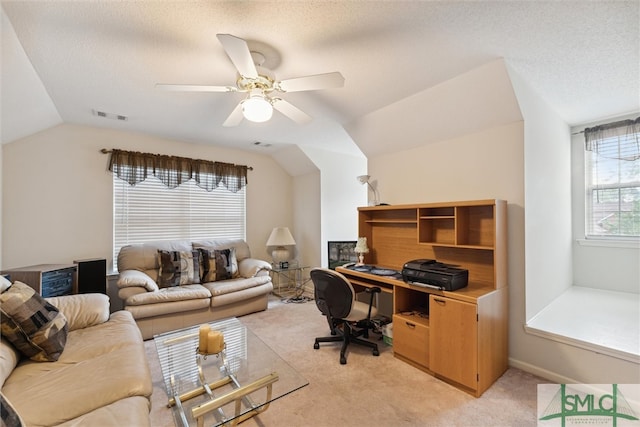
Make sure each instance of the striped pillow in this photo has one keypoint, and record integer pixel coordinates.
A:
(34, 326)
(218, 264)
(178, 268)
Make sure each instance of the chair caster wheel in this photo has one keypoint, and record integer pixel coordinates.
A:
(343, 360)
(316, 346)
(376, 353)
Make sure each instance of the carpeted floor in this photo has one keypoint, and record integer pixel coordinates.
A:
(367, 391)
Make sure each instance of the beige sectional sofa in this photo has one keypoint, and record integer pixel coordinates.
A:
(191, 298)
(101, 378)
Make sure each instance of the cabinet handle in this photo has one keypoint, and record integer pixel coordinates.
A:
(440, 301)
(411, 325)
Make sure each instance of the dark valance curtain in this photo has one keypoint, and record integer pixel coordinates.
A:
(135, 167)
(619, 140)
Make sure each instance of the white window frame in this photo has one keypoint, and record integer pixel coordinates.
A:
(592, 162)
(150, 211)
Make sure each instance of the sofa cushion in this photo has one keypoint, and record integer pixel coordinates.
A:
(177, 293)
(132, 278)
(131, 411)
(36, 328)
(82, 310)
(167, 308)
(235, 285)
(218, 264)
(178, 268)
(8, 414)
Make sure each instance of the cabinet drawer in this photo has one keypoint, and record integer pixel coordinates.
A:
(411, 339)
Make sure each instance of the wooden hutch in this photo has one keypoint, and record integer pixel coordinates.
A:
(460, 336)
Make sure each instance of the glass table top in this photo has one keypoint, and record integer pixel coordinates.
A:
(223, 388)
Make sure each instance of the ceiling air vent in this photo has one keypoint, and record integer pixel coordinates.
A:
(262, 144)
(110, 115)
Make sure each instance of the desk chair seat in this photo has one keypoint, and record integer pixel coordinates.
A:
(336, 299)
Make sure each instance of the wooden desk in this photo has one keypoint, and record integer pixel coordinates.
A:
(461, 336)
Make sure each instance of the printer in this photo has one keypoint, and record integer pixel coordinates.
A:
(432, 274)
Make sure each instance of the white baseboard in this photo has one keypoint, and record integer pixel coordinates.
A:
(544, 373)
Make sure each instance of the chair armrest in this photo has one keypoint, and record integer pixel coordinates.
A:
(252, 267)
(82, 310)
(373, 291)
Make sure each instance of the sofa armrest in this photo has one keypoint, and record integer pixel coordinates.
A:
(252, 267)
(133, 278)
(82, 310)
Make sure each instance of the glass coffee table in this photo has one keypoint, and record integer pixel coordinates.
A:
(225, 388)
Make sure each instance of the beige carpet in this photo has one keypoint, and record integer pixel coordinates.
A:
(368, 390)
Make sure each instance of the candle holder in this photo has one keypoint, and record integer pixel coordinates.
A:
(204, 354)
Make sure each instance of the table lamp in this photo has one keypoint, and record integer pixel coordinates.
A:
(280, 238)
(361, 249)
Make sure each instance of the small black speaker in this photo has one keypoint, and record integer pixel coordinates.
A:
(92, 276)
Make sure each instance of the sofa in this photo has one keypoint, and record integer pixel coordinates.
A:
(97, 376)
(174, 284)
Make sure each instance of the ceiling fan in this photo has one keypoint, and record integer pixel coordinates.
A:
(260, 85)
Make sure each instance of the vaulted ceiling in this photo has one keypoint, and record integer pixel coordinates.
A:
(63, 60)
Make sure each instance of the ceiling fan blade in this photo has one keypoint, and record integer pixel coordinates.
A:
(239, 54)
(196, 88)
(315, 82)
(291, 111)
(235, 117)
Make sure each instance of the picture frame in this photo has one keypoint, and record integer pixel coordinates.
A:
(341, 252)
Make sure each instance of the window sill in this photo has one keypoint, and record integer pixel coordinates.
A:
(604, 243)
(606, 322)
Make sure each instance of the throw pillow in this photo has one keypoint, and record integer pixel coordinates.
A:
(8, 414)
(218, 264)
(34, 326)
(178, 268)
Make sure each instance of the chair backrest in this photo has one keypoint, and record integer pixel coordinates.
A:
(333, 293)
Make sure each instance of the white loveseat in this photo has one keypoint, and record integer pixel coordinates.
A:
(158, 309)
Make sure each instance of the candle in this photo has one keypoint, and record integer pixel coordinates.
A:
(202, 341)
(215, 342)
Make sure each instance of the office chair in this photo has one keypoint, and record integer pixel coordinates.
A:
(336, 299)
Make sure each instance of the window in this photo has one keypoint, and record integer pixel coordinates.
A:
(613, 180)
(151, 211)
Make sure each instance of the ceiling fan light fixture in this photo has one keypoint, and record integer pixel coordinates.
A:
(256, 107)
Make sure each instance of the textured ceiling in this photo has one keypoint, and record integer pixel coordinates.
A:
(582, 58)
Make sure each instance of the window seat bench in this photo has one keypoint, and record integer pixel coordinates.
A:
(602, 321)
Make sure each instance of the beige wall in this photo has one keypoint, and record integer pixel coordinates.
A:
(57, 193)
(307, 218)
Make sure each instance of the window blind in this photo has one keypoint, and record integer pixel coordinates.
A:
(150, 211)
(613, 186)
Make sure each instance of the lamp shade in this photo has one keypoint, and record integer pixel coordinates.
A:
(280, 236)
(361, 246)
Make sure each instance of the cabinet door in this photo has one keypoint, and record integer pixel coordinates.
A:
(453, 340)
